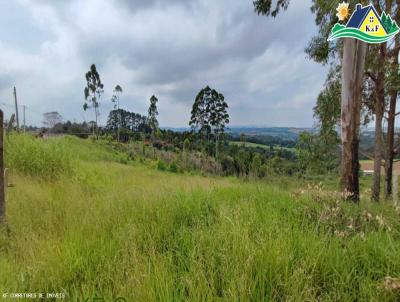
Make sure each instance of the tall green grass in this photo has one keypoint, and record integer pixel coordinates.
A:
(48, 159)
(56, 157)
(147, 235)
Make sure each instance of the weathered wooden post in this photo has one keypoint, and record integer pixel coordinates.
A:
(395, 188)
(2, 184)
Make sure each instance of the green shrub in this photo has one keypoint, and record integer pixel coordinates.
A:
(32, 156)
(265, 171)
(161, 165)
(173, 167)
(228, 165)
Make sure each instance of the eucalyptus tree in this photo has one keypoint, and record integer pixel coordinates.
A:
(116, 96)
(209, 114)
(152, 114)
(115, 100)
(380, 81)
(393, 92)
(384, 77)
(93, 90)
(352, 57)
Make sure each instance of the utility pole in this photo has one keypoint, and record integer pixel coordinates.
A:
(16, 107)
(24, 107)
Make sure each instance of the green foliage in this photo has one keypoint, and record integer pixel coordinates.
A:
(152, 114)
(115, 100)
(318, 153)
(47, 159)
(161, 165)
(265, 170)
(173, 167)
(256, 165)
(124, 119)
(209, 113)
(81, 130)
(264, 7)
(93, 90)
(116, 96)
(228, 165)
(243, 161)
(319, 48)
(186, 145)
(328, 107)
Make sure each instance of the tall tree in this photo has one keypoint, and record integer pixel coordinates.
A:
(354, 52)
(93, 91)
(351, 55)
(375, 81)
(323, 51)
(376, 73)
(382, 72)
(152, 114)
(394, 86)
(209, 114)
(115, 100)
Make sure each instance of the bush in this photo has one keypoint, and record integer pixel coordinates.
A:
(32, 156)
(174, 167)
(228, 165)
(265, 171)
(161, 165)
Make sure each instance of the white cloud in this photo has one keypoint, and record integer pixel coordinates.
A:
(169, 50)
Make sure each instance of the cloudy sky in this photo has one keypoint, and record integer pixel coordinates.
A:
(170, 48)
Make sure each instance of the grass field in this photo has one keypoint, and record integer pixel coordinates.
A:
(93, 227)
(254, 145)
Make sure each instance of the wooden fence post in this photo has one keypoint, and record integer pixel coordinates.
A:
(6, 183)
(2, 184)
(395, 188)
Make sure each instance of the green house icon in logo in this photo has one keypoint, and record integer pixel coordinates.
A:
(366, 25)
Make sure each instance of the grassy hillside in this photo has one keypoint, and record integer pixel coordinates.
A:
(85, 221)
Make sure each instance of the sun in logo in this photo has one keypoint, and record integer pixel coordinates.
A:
(343, 11)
